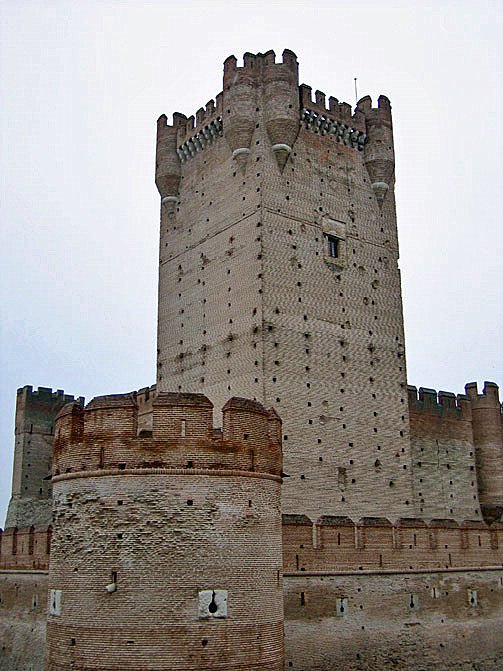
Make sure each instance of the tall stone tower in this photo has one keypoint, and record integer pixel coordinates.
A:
(36, 411)
(279, 279)
(166, 548)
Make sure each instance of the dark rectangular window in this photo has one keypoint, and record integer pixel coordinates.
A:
(333, 246)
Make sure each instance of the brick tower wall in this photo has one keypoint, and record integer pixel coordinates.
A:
(172, 523)
(252, 303)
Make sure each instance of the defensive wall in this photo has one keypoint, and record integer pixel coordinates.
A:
(375, 595)
(413, 621)
(375, 544)
(26, 548)
(440, 585)
(457, 453)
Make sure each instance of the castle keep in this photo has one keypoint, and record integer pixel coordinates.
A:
(339, 520)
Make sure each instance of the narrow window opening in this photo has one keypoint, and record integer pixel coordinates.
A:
(333, 246)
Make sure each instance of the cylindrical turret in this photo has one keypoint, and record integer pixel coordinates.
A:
(166, 552)
(379, 156)
(488, 441)
(240, 107)
(281, 103)
(167, 162)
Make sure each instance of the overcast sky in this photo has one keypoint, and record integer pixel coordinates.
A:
(82, 84)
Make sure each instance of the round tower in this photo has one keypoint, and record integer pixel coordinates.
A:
(167, 161)
(281, 103)
(240, 106)
(379, 154)
(166, 550)
(488, 442)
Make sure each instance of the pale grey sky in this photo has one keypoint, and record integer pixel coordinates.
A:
(82, 84)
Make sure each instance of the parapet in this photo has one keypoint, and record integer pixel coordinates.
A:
(339, 545)
(254, 66)
(111, 434)
(374, 522)
(488, 398)
(382, 112)
(296, 520)
(337, 111)
(440, 523)
(442, 404)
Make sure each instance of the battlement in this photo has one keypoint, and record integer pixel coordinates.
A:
(36, 409)
(488, 398)
(442, 403)
(445, 403)
(333, 544)
(111, 434)
(255, 64)
(382, 111)
(45, 396)
(337, 111)
(187, 126)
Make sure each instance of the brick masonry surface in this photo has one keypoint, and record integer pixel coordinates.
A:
(23, 619)
(250, 302)
(421, 622)
(143, 525)
(278, 283)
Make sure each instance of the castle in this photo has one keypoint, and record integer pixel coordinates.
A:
(338, 520)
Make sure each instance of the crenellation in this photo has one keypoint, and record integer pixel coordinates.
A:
(339, 112)
(442, 403)
(105, 436)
